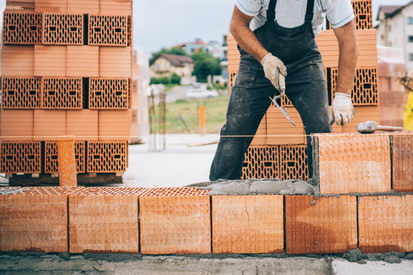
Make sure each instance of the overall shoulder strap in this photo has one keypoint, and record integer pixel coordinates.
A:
(271, 11)
(309, 14)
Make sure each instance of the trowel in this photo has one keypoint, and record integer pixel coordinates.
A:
(281, 108)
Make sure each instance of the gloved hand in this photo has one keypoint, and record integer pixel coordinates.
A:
(275, 71)
(342, 110)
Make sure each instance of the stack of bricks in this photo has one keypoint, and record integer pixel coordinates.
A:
(66, 70)
(365, 200)
(279, 149)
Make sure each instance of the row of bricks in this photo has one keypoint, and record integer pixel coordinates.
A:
(82, 124)
(106, 7)
(66, 61)
(364, 92)
(328, 47)
(275, 129)
(65, 93)
(363, 163)
(91, 157)
(66, 29)
(133, 220)
(345, 163)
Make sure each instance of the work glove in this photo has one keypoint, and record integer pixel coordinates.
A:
(275, 71)
(342, 110)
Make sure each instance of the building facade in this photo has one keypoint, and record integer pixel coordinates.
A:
(167, 64)
(395, 30)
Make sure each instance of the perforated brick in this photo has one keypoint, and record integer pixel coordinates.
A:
(21, 93)
(280, 131)
(62, 93)
(20, 157)
(105, 30)
(402, 162)
(103, 220)
(322, 225)
(17, 124)
(293, 162)
(22, 28)
(365, 86)
(261, 162)
(175, 192)
(247, 224)
(175, 224)
(62, 29)
(34, 221)
(130, 29)
(386, 223)
(364, 14)
(352, 163)
(51, 164)
(107, 156)
(109, 93)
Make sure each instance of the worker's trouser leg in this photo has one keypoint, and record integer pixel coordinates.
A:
(249, 101)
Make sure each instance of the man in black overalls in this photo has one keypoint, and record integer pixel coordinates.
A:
(267, 54)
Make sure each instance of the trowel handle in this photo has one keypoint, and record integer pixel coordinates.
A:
(389, 128)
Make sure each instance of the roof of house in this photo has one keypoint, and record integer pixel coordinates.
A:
(177, 60)
(391, 10)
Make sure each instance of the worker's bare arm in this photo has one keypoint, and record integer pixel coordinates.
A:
(244, 36)
(347, 41)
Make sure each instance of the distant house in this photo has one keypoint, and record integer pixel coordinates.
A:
(395, 29)
(167, 64)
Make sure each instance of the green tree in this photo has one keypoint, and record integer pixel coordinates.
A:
(176, 51)
(175, 79)
(205, 65)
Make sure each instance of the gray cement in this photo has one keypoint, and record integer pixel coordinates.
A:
(258, 187)
(40, 263)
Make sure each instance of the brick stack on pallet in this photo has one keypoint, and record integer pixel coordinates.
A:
(66, 70)
(365, 200)
(279, 149)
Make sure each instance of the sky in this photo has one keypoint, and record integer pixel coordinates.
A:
(167, 23)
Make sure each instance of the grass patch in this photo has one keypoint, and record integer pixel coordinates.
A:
(215, 111)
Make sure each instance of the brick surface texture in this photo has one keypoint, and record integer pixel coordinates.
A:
(323, 225)
(247, 224)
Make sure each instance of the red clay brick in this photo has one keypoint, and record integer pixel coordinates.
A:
(247, 224)
(104, 220)
(323, 225)
(261, 162)
(353, 163)
(386, 224)
(35, 220)
(175, 224)
(402, 162)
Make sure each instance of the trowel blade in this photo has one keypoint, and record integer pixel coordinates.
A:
(283, 111)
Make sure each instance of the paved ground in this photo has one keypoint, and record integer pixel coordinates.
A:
(186, 160)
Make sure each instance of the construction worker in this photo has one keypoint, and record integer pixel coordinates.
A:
(276, 40)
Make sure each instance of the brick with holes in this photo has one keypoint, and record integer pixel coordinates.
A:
(106, 30)
(21, 93)
(107, 156)
(261, 162)
(22, 28)
(20, 157)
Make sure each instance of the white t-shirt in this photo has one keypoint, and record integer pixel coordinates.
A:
(291, 13)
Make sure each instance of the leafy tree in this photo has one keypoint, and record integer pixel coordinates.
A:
(165, 80)
(175, 79)
(176, 51)
(205, 64)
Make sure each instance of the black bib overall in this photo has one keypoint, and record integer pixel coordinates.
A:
(305, 87)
